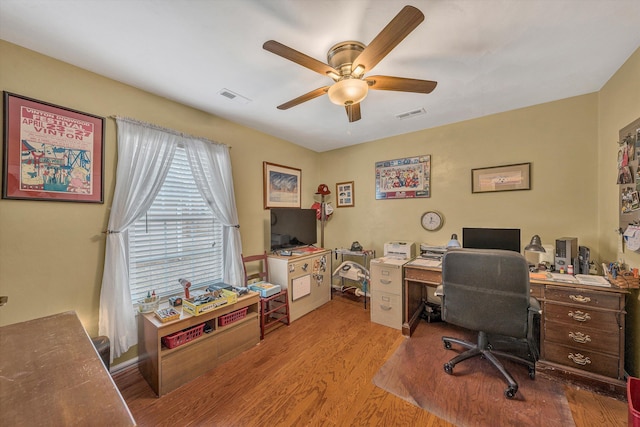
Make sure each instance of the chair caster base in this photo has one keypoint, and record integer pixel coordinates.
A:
(510, 392)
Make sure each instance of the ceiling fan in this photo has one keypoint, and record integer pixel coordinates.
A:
(348, 62)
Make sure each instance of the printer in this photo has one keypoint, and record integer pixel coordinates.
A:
(400, 250)
(432, 252)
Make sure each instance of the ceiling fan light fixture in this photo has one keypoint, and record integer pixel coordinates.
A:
(358, 71)
(333, 75)
(348, 91)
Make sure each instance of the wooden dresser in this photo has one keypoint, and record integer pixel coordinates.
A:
(582, 335)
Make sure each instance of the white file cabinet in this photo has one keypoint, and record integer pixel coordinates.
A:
(386, 291)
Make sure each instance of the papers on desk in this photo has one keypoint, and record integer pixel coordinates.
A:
(564, 278)
(427, 262)
(589, 279)
(582, 279)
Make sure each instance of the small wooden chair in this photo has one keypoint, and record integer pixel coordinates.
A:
(274, 309)
(263, 275)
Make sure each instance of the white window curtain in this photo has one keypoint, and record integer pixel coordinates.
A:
(211, 168)
(144, 156)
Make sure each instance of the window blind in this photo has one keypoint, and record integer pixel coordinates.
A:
(177, 238)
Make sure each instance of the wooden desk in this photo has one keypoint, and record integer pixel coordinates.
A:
(50, 374)
(416, 280)
(582, 328)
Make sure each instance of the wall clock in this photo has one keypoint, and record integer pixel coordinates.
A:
(432, 220)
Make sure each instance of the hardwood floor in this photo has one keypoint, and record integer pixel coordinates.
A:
(317, 371)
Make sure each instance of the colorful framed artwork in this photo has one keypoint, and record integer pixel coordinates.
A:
(501, 178)
(51, 152)
(345, 194)
(281, 186)
(405, 178)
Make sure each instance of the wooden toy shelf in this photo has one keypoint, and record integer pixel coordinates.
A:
(166, 369)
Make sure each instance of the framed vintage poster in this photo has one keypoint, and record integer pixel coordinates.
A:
(403, 178)
(345, 194)
(501, 178)
(51, 152)
(281, 186)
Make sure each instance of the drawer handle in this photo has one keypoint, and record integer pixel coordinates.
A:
(580, 337)
(580, 298)
(385, 282)
(579, 316)
(579, 359)
(385, 307)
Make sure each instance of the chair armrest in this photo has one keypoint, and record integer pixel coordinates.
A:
(439, 291)
(534, 306)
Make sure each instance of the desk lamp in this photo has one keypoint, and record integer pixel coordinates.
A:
(535, 246)
(453, 243)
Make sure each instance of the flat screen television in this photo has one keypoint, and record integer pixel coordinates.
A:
(491, 238)
(292, 227)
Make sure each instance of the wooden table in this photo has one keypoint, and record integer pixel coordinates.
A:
(51, 375)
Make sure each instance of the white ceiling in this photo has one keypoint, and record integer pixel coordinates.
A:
(487, 56)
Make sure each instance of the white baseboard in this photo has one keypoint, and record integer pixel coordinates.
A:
(124, 365)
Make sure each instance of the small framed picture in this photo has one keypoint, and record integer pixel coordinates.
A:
(345, 194)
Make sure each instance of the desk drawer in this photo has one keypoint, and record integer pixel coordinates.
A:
(590, 361)
(421, 275)
(386, 309)
(582, 297)
(580, 337)
(536, 291)
(604, 320)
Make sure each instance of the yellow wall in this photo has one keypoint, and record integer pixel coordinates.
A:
(51, 253)
(618, 105)
(558, 138)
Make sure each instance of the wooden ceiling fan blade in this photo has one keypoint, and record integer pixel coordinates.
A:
(298, 57)
(400, 27)
(400, 84)
(353, 112)
(306, 97)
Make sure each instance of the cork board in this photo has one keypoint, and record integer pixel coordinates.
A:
(628, 177)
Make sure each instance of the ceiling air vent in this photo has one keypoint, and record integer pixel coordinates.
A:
(232, 96)
(412, 113)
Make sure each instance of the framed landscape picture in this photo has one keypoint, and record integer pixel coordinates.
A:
(281, 186)
(51, 152)
(501, 178)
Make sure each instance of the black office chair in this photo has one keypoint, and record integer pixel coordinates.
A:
(488, 291)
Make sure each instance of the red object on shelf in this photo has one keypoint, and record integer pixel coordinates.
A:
(633, 397)
(234, 316)
(182, 337)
